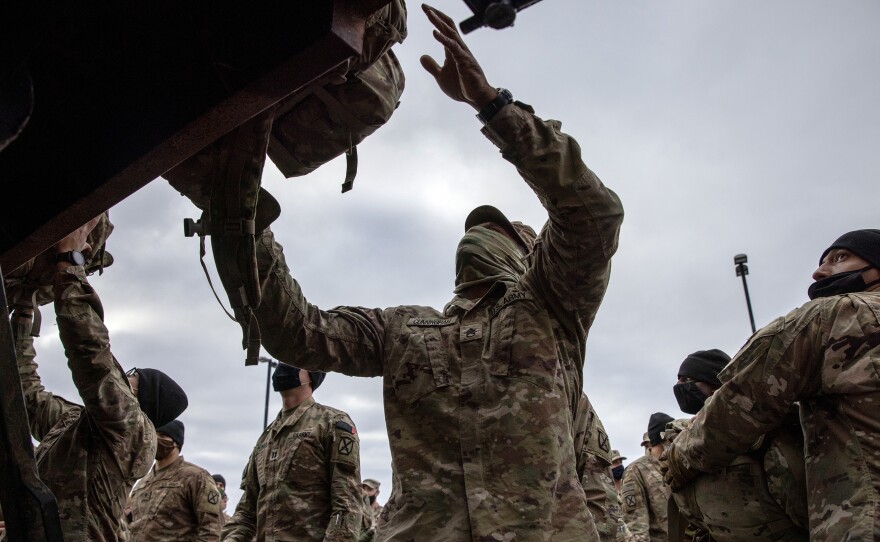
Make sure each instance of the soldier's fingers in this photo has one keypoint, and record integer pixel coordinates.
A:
(432, 11)
(430, 65)
(445, 25)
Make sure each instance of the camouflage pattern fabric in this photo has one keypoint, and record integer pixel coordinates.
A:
(594, 469)
(178, 502)
(824, 355)
(480, 397)
(742, 486)
(302, 481)
(645, 501)
(89, 456)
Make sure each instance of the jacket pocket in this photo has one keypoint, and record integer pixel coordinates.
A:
(423, 365)
(523, 345)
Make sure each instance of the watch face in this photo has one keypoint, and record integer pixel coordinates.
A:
(74, 257)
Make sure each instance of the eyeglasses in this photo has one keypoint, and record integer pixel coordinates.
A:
(131, 372)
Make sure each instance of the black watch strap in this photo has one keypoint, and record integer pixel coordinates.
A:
(504, 98)
(74, 256)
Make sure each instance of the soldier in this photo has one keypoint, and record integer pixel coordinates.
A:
(176, 500)
(645, 496)
(480, 397)
(617, 469)
(765, 486)
(89, 456)
(594, 469)
(303, 477)
(220, 482)
(646, 443)
(372, 508)
(825, 356)
(371, 490)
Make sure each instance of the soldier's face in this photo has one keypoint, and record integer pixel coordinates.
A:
(840, 260)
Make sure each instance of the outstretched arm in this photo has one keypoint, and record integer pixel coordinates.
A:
(572, 259)
(101, 382)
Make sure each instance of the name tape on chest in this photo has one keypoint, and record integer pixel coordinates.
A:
(510, 297)
(431, 322)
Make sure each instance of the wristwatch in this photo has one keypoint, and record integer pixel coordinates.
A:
(74, 256)
(504, 97)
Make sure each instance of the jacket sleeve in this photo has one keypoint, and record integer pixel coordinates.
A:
(346, 497)
(101, 382)
(206, 506)
(635, 505)
(242, 526)
(44, 409)
(572, 256)
(347, 340)
(780, 364)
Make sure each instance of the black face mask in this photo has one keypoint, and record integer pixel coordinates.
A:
(372, 499)
(690, 398)
(848, 282)
(617, 472)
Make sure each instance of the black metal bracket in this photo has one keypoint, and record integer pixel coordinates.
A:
(496, 14)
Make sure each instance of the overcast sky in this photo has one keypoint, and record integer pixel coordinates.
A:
(725, 127)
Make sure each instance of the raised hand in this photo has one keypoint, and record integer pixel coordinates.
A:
(461, 77)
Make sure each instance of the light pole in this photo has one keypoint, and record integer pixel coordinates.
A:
(741, 271)
(269, 364)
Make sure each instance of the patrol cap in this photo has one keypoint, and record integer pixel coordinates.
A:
(863, 243)
(615, 455)
(174, 430)
(488, 213)
(370, 483)
(645, 440)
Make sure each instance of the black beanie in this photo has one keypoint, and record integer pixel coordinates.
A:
(656, 425)
(174, 430)
(160, 397)
(704, 366)
(863, 243)
(286, 377)
(219, 479)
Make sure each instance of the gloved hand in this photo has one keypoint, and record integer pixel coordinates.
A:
(676, 472)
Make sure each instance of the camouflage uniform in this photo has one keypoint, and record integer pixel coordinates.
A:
(766, 488)
(89, 456)
(302, 481)
(825, 355)
(594, 468)
(479, 398)
(178, 502)
(645, 501)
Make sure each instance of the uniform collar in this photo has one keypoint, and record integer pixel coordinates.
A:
(280, 423)
(461, 305)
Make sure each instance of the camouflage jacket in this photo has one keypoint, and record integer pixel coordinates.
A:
(178, 502)
(645, 501)
(302, 481)
(89, 456)
(825, 355)
(594, 469)
(479, 398)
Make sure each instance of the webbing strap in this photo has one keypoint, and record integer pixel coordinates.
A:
(208, 276)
